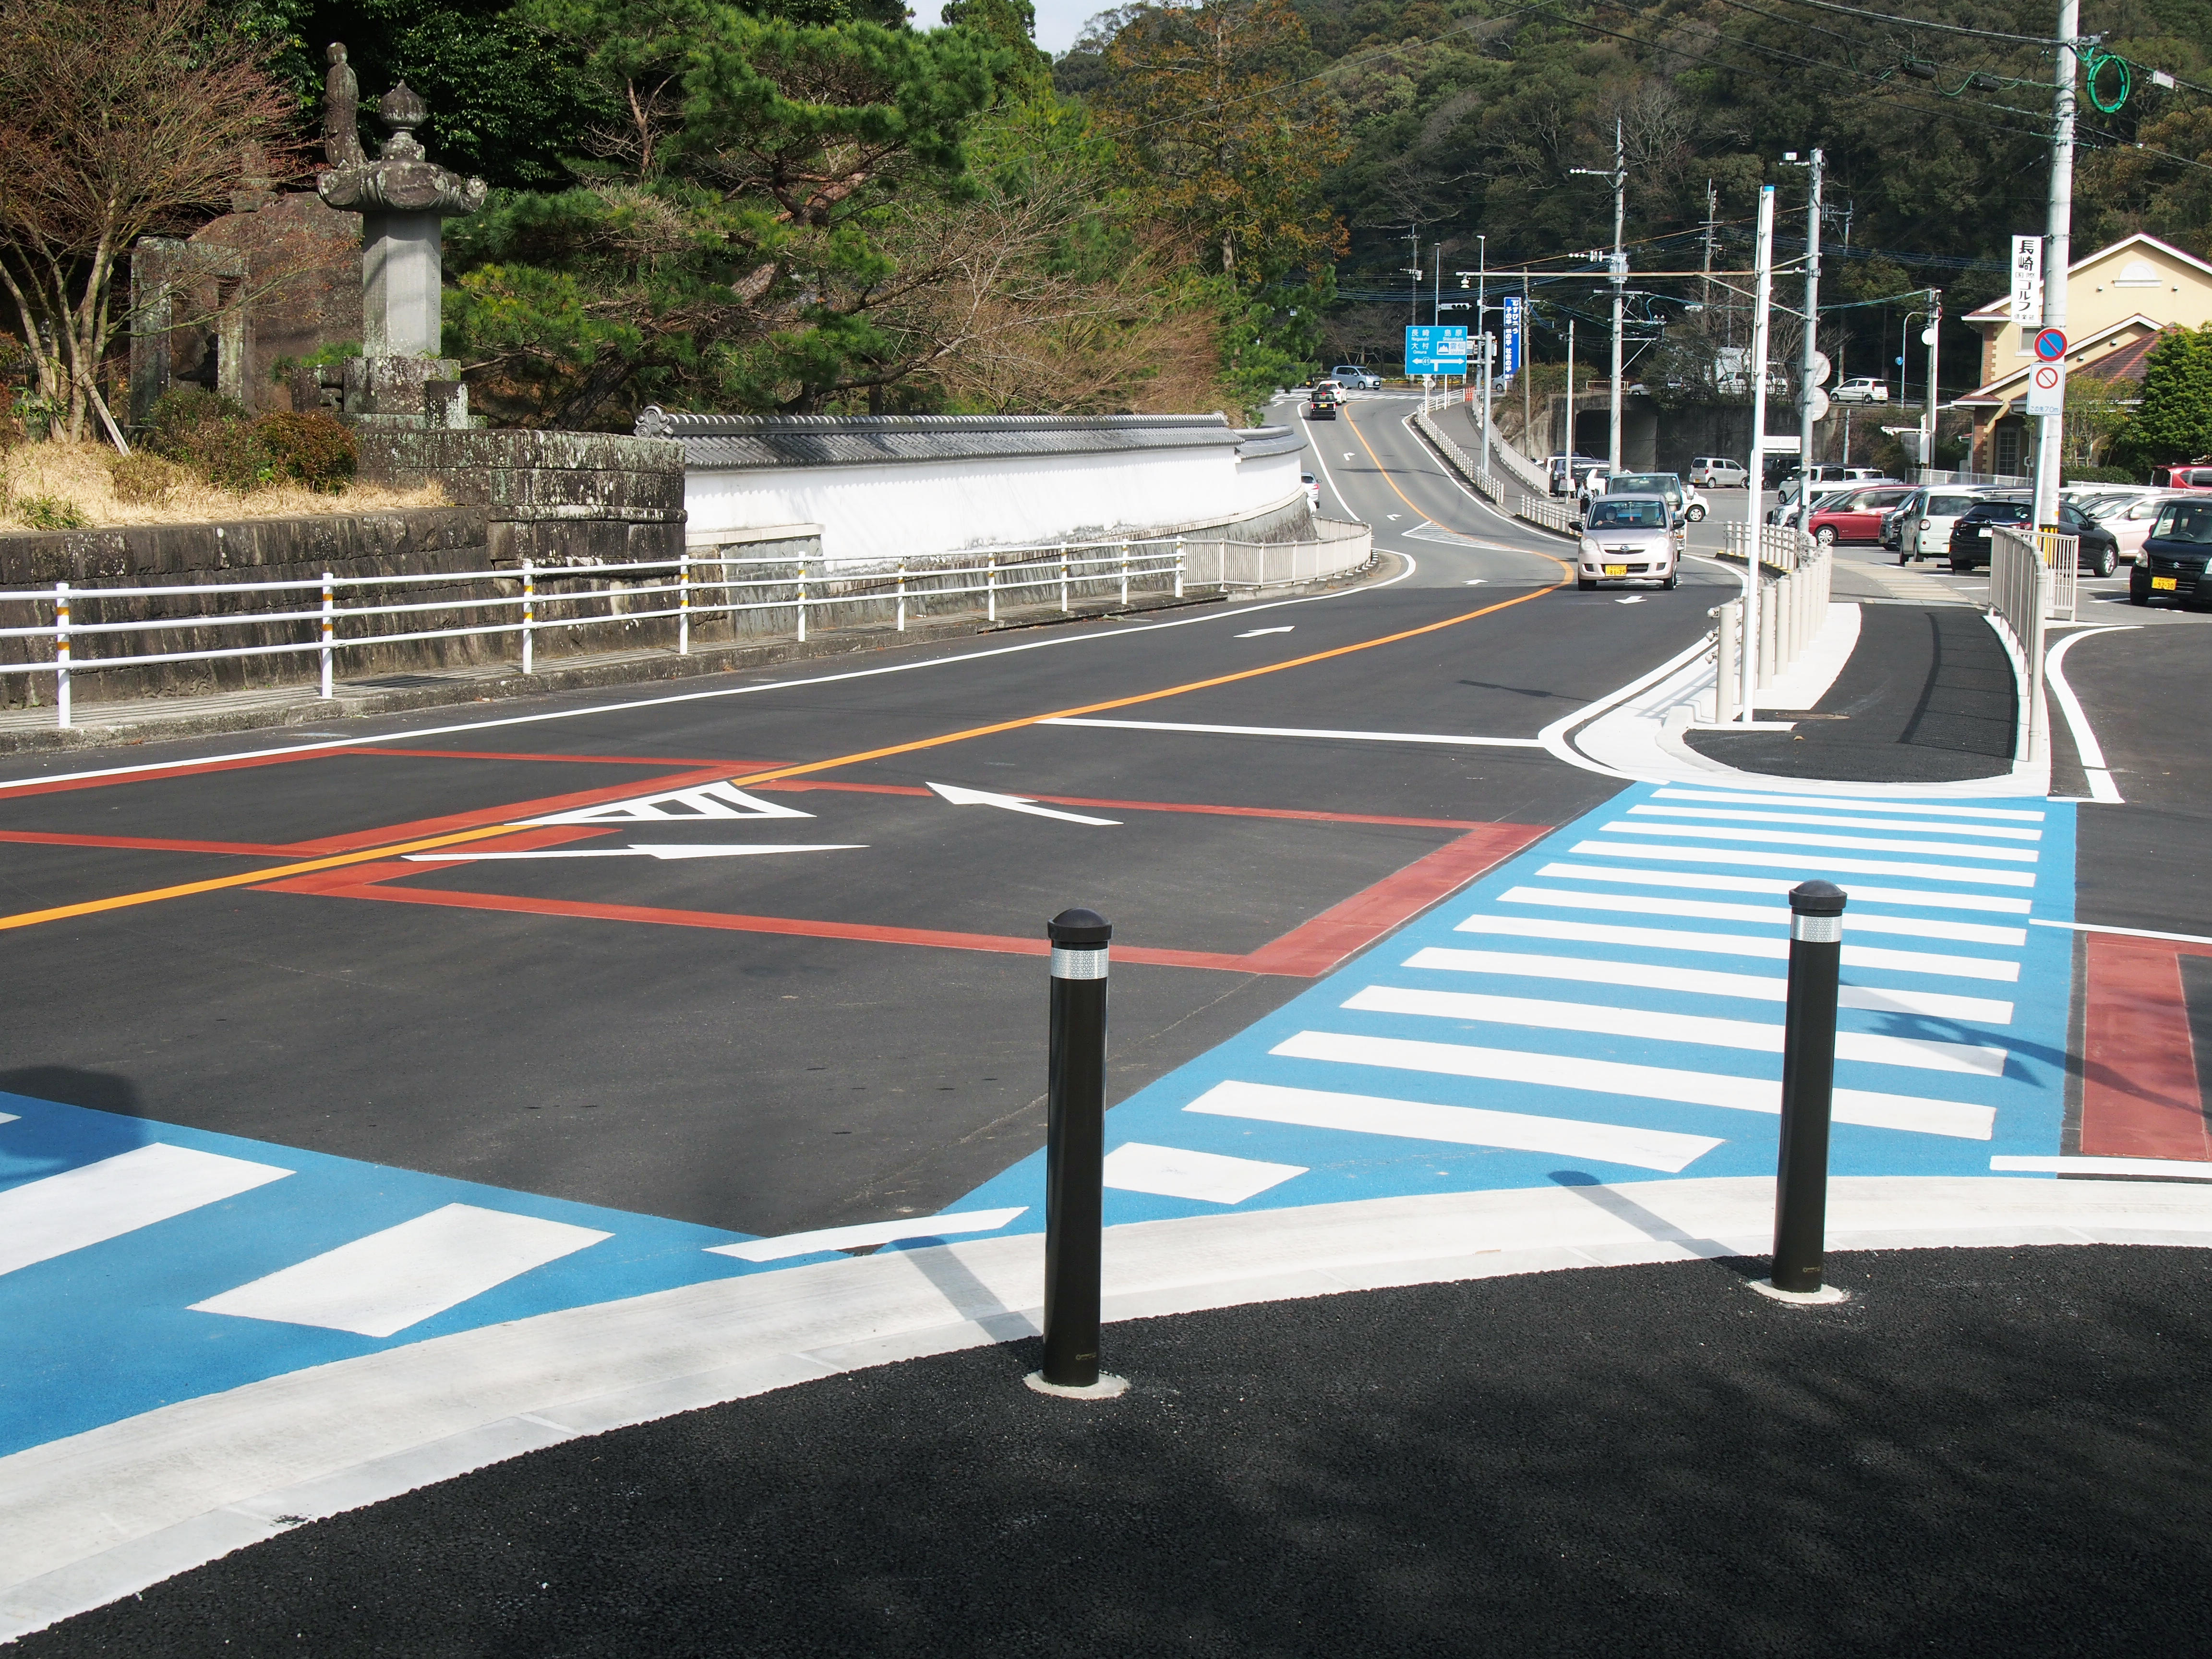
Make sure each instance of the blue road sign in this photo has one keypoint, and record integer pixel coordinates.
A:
(1435, 350)
(2051, 345)
(1511, 364)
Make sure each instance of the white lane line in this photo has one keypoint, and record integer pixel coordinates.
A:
(1736, 945)
(635, 850)
(1650, 1025)
(1768, 915)
(954, 794)
(1178, 1172)
(1686, 881)
(786, 1245)
(1849, 843)
(2163, 1168)
(1461, 1126)
(1708, 981)
(1956, 1118)
(380, 1285)
(1835, 821)
(1844, 804)
(2130, 933)
(1305, 732)
(94, 1202)
(1262, 633)
(1805, 863)
(2102, 789)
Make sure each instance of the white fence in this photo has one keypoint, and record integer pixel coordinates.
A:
(1792, 609)
(1459, 458)
(1540, 510)
(1552, 515)
(2062, 557)
(1781, 546)
(535, 605)
(2021, 592)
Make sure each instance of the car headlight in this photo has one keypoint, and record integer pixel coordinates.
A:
(1590, 548)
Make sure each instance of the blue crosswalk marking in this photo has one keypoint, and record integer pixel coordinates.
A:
(1608, 1005)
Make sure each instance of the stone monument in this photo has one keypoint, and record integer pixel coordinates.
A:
(404, 198)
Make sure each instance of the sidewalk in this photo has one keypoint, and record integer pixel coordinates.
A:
(1993, 1450)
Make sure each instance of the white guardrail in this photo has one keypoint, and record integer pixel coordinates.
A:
(1792, 609)
(536, 603)
(1555, 516)
(2024, 584)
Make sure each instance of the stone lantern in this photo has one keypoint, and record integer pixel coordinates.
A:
(403, 198)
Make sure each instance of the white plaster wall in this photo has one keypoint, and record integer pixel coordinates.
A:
(911, 509)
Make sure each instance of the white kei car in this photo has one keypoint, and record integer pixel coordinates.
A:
(1927, 535)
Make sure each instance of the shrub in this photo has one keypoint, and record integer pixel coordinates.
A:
(313, 446)
(50, 512)
(2077, 474)
(182, 415)
(143, 477)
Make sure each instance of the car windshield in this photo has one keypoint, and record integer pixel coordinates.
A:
(2184, 521)
(1628, 515)
(1653, 483)
(1948, 506)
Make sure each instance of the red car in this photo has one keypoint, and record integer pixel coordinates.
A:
(1855, 516)
(2192, 476)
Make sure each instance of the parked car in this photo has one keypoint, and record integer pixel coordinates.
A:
(2192, 476)
(1630, 538)
(1685, 501)
(1930, 534)
(1567, 472)
(1895, 521)
(1313, 492)
(1718, 473)
(2174, 555)
(1826, 474)
(1970, 540)
(1328, 398)
(2130, 518)
(1863, 391)
(1854, 516)
(1353, 378)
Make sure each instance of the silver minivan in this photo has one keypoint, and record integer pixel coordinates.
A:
(1636, 539)
(1718, 473)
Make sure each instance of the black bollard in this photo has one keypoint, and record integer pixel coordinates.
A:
(1075, 1153)
(1808, 1081)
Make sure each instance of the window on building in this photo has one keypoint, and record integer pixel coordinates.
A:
(2008, 449)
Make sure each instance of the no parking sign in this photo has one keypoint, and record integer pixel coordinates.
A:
(2046, 389)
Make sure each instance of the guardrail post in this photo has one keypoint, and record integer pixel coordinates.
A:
(683, 604)
(529, 613)
(1808, 1076)
(1125, 574)
(1178, 574)
(902, 596)
(328, 619)
(991, 587)
(1075, 1153)
(1724, 669)
(1063, 606)
(802, 601)
(62, 654)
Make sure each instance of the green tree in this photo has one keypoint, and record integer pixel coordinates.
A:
(2173, 421)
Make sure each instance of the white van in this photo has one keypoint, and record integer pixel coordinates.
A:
(1718, 473)
(1928, 534)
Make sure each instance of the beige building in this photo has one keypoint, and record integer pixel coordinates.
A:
(2118, 299)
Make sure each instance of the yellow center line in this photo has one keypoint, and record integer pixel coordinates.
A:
(1565, 568)
(285, 871)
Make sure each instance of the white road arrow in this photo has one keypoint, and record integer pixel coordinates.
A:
(1258, 632)
(1479, 581)
(695, 850)
(957, 796)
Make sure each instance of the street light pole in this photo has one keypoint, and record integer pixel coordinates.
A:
(1620, 283)
(1808, 388)
(2057, 253)
(1763, 290)
(1482, 331)
(1927, 413)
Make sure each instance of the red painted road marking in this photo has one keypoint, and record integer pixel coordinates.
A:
(2141, 1096)
(147, 844)
(1307, 951)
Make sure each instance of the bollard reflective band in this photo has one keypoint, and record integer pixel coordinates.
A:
(1817, 930)
(1078, 964)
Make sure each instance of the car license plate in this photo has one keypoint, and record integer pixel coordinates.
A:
(2166, 584)
(1983, 533)
(1622, 570)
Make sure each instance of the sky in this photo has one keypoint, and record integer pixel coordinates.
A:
(1059, 22)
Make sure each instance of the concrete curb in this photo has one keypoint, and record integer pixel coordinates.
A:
(104, 1514)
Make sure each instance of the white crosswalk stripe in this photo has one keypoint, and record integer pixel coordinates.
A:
(94, 1202)
(1466, 1125)
(1771, 915)
(1654, 1026)
(1706, 981)
(1830, 867)
(1737, 944)
(1954, 849)
(1845, 804)
(1995, 831)
(1691, 881)
(1743, 1094)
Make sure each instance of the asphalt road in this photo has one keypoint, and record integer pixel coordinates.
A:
(1986, 1452)
(678, 1037)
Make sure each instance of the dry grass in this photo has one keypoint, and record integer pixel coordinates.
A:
(80, 474)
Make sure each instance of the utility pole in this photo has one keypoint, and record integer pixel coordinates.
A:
(1927, 414)
(1808, 389)
(1482, 333)
(1522, 369)
(1712, 214)
(1569, 447)
(1762, 292)
(2057, 253)
(1619, 268)
(1413, 305)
